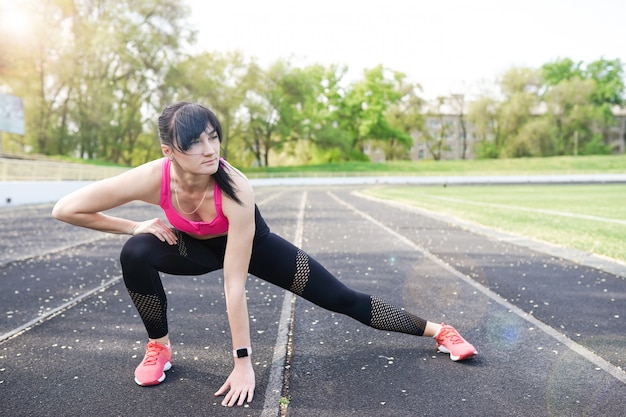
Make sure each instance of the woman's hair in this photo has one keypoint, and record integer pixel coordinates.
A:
(180, 123)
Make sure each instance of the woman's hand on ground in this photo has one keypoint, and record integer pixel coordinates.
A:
(239, 386)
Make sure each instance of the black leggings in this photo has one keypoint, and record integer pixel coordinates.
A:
(273, 259)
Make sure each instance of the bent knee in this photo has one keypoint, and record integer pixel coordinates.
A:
(138, 247)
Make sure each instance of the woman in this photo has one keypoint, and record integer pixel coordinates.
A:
(215, 224)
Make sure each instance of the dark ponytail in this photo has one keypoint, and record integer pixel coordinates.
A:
(225, 182)
(180, 123)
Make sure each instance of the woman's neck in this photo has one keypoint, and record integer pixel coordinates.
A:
(188, 182)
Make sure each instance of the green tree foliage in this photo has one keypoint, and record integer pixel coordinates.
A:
(33, 68)
(580, 98)
(483, 114)
(291, 105)
(93, 68)
(520, 87)
(404, 117)
(94, 75)
(363, 112)
(571, 114)
(294, 110)
(264, 105)
(329, 140)
(129, 45)
(608, 76)
(562, 108)
(559, 70)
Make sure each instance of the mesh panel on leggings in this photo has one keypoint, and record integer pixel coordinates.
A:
(182, 248)
(303, 272)
(152, 311)
(388, 317)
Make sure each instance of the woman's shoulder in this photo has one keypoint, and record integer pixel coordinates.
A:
(142, 182)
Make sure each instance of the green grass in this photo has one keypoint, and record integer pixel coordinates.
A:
(518, 166)
(590, 218)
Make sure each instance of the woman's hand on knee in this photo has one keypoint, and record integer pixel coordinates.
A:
(157, 228)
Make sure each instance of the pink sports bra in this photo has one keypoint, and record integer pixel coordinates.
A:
(217, 226)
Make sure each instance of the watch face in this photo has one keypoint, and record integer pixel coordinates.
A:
(242, 353)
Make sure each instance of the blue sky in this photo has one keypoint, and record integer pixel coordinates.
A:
(454, 46)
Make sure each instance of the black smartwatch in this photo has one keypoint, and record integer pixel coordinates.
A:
(242, 353)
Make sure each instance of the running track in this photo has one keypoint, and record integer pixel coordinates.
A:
(550, 330)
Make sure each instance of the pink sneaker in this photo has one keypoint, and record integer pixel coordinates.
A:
(151, 370)
(450, 341)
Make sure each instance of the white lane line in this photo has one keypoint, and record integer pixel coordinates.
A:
(533, 210)
(270, 198)
(48, 315)
(560, 337)
(275, 384)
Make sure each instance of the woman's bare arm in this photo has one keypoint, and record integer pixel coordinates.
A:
(240, 384)
(85, 207)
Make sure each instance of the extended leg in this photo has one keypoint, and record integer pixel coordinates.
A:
(279, 262)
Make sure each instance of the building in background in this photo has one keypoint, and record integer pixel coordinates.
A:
(617, 133)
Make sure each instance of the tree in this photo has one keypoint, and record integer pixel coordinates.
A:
(286, 107)
(404, 117)
(609, 92)
(607, 74)
(571, 113)
(263, 115)
(323, 128)
(364, 109)
(93, 67)
(483, 114)
(521, 90)
(261, 127)
(29, 64)
(580, 98)
(561, 69)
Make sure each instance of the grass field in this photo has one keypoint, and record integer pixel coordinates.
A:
(605, 164)
(586, 217)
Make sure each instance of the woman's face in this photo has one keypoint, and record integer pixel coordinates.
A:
(202, 156)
